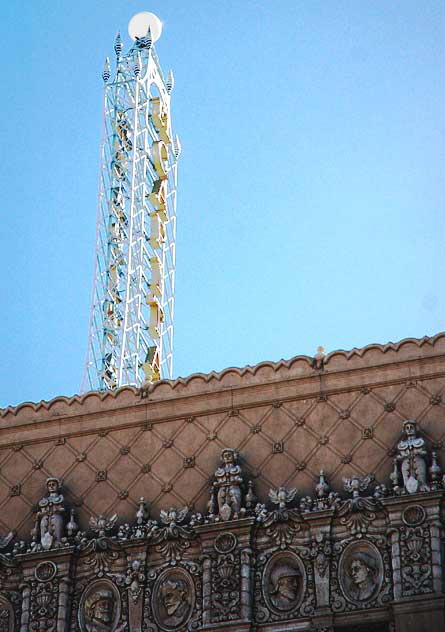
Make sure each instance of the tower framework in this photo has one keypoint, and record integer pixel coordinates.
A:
(131, 323)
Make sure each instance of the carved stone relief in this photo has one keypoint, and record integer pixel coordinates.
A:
(284, 582)
(100, 607)
(361, 572)
(173, 599)
(415, 548)
(6, 615)
(228, 481)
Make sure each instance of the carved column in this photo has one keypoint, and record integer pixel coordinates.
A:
(206, 590)
(227, 573)
(417, 561)
(26, 600)
(135, 581)
(45, 593)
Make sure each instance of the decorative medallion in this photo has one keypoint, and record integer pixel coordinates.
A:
(100, 607)
(361, 572)
(225, 542)
(413, 515)
(284, 582)
(45, 571)
(173, 599)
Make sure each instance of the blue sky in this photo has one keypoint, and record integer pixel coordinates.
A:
(311, 183)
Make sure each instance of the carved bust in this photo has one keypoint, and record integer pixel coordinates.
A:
(99, 609)
(284, 586)
(284, 582)
(173, 599)
(363, 573)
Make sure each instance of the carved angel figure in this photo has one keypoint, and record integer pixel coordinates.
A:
(411, 455)
(228, 480)
(282, 496)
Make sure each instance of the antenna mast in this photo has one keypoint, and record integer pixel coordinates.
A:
(131, 323)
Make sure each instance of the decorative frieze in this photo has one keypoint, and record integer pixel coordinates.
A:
(244, 562)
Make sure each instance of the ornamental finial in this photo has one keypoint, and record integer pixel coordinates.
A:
(118, 45)
(106, 73)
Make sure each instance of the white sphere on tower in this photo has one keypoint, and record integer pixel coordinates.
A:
(141, 22)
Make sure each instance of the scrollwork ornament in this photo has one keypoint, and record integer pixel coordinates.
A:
(173, 539)
(135, 580)
(415, 549)
(282, 524)
(358, 512)
(321, 551)
(43, 610)
(225, 587)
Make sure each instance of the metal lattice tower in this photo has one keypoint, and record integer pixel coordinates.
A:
(131, 324)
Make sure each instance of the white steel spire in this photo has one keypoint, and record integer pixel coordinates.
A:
(131, 324)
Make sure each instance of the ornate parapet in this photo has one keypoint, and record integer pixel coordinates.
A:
(370, 552)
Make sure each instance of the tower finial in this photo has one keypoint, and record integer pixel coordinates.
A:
(106, 73)
(118, 45)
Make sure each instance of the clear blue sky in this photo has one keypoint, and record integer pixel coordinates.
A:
(311, 183)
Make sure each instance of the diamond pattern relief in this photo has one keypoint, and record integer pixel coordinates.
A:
(301, 444)
(56, 462)
(123, 471)
(321, 418)
(233, 434)
(412, 403)
(173, 462)
(167, 465)
(103, 453)
(16, 467)
(80, 478)
(277, 424)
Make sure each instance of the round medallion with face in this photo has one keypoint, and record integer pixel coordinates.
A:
(361, 572)
(99, 608)
(284, 582)
(173, 598)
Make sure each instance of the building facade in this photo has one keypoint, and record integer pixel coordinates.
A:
(299, 495)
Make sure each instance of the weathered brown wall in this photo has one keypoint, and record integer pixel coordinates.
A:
(288, 420)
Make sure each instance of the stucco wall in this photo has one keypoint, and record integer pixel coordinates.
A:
(288, 420)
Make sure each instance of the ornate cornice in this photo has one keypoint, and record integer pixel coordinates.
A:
(300, 366)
